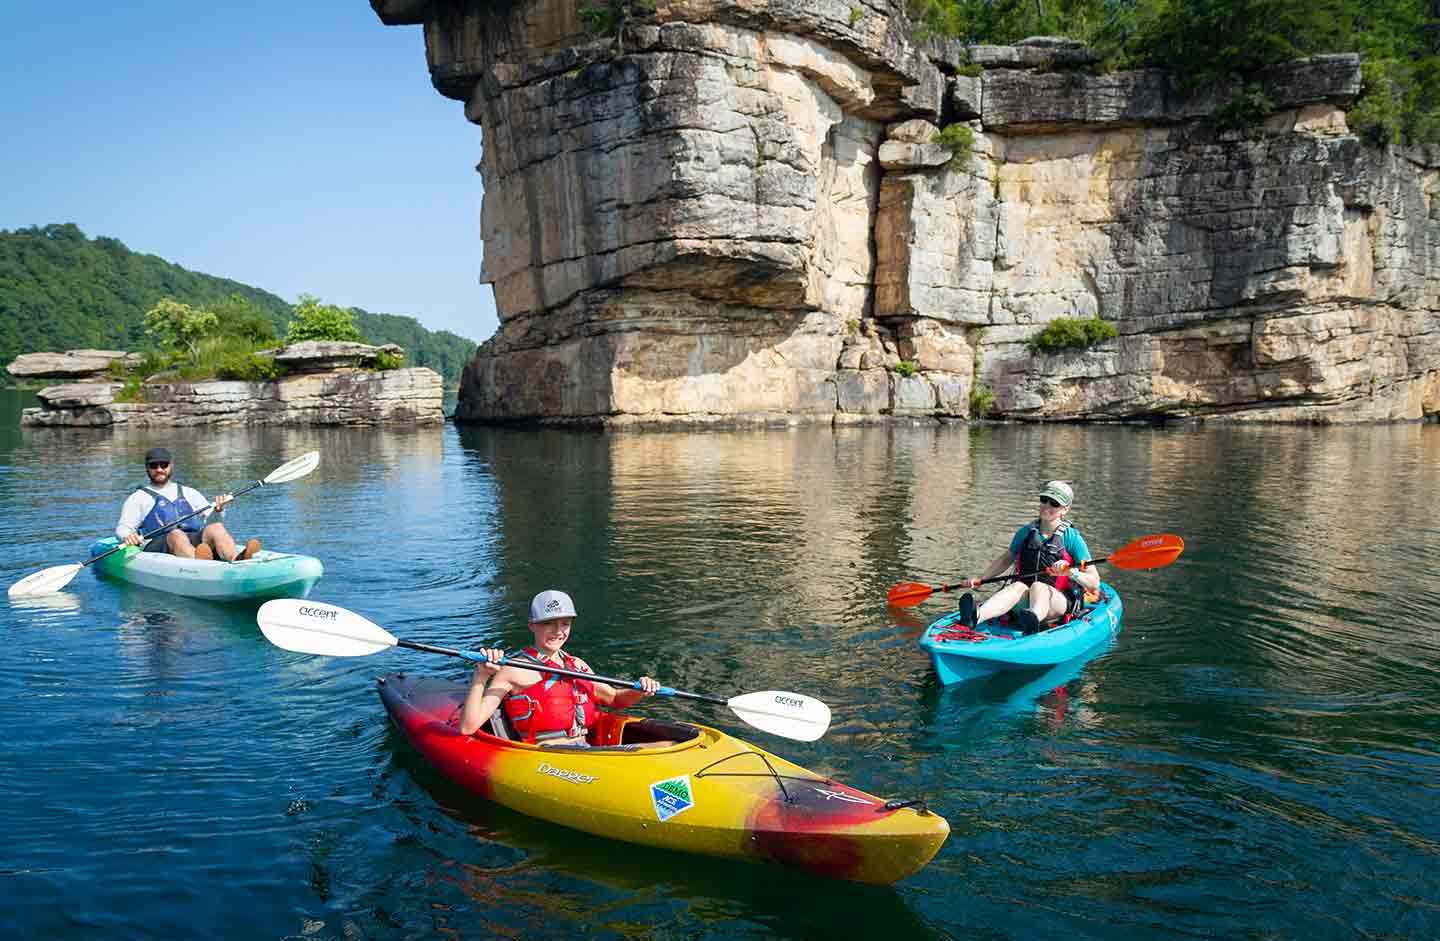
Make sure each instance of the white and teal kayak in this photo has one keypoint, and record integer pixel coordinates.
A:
(266, 575)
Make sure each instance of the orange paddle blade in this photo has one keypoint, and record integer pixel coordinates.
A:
(906, 594)
(1148, 552)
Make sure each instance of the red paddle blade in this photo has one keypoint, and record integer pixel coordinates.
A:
(906, 594)
(1148, 552)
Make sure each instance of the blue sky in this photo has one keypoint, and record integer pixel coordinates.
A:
(295, 146)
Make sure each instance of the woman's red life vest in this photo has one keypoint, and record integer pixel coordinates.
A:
(554, 704)
(1038, 553)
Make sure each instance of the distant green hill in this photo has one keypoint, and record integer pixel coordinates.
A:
(62, 291)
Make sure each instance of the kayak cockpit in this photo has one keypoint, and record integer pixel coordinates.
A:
(613, 732)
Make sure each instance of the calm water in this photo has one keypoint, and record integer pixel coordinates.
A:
(1256, 756)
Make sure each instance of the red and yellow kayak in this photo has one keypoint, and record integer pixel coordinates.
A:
(707, 793)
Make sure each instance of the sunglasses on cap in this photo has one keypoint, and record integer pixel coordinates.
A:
(1050, 502)
(157, 465)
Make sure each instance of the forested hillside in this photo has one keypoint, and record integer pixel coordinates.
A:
(60, 290)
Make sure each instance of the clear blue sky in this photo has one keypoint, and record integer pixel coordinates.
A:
(294, 146)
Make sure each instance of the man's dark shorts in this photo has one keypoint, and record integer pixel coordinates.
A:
(158, 543)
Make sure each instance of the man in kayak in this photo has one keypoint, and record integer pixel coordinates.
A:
(1047, 555)
(544, 708)
(163, 501)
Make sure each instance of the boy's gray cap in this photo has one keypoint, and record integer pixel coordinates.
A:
(551, 604)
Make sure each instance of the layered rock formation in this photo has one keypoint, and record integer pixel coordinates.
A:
(327, 383)
(736, 210)
(71, 364)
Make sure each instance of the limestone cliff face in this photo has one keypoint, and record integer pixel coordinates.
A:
(734, 210)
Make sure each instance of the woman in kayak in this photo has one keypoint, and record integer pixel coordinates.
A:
(1047, 555)
(544, 708)
(163, 501)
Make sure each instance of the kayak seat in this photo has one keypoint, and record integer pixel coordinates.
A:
(499, 726)
(615, 730)
(637, 731)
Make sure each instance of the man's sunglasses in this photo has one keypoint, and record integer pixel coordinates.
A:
(157, 465)
(1045, 500)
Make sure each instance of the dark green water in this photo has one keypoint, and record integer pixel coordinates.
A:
(1256, 755)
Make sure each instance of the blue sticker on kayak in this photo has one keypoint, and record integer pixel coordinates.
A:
(671, 796)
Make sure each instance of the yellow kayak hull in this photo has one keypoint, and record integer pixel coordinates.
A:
(708, 792)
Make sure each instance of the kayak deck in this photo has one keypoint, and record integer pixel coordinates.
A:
(707, 792)
(265, 575)
(996, 644)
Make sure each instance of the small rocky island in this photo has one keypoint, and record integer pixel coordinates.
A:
(325, 383)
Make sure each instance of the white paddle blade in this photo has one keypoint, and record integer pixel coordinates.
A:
(791, 715)
(319, 628)
(294, 470)
(45, 581)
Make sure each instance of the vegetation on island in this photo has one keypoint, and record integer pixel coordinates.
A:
(60, 290)
(1205, 41)
(230, 340)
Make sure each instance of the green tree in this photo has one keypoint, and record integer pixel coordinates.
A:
(1202, 41)
(242, 319)
(179, 326)
(316, 321)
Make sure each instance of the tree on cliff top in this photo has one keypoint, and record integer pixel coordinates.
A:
(1205, 40)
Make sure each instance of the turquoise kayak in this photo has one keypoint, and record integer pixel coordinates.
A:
(996, 644)
(266, 575)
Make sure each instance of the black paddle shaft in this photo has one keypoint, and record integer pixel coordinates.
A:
(1079, 566)
(547, 668)
(151, 535)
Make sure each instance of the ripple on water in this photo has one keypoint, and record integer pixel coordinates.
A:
(1254, 754)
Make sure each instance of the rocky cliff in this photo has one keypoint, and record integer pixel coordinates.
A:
(736, 210)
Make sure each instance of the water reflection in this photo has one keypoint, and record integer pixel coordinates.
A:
(1255, 753)
(1066, 694)
(38, 609)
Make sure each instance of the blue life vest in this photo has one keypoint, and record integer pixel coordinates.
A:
(165, 512)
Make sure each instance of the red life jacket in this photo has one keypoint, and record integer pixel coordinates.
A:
(554, 704)
(1038, 553)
